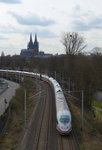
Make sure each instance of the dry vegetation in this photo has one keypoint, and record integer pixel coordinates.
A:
(15, 129)
(89, 138)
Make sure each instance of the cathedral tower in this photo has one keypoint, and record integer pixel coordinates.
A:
(36, 45)
(30, 44)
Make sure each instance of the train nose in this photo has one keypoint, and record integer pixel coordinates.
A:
(64, 128)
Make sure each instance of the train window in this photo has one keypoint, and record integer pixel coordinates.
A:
(64, 119)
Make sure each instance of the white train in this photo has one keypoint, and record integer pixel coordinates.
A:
(63, 114)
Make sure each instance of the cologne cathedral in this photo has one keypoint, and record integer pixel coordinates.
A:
(32, 49)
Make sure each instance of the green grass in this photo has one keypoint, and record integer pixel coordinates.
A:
(97, 104)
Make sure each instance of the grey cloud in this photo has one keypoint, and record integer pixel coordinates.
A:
(43, 33)
(10, 1)
(76, 11)
(9, 29)
(77, 8)
(85, 21)
(32, 19)
(46, 34)
(3, 38)
(81, 25)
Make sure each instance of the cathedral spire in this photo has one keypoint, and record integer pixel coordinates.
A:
(30, 37)
(35, 37)
(36, 45)
(30, 44)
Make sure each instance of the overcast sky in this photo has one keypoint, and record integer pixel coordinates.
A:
(49, 19)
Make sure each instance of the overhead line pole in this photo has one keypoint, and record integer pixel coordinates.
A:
(82, 108)
(25, 107)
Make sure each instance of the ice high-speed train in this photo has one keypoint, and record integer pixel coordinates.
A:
(63, 114)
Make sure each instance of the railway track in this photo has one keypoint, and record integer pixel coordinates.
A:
(67, 142)
(42, 134)
(45, 136)
(44, 126)
(38, 134)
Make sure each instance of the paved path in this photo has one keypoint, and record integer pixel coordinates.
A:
(6, 96)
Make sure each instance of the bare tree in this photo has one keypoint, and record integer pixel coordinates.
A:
(73, 43)
(96, 51)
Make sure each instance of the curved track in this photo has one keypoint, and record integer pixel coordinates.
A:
(42, 133)
(39, 134)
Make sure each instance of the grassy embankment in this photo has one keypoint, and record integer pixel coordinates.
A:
(97, 104)
(15, 129)
(91, 136)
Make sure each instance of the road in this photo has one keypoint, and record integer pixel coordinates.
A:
(6, 96)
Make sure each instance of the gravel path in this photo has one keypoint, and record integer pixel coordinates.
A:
(7, 95)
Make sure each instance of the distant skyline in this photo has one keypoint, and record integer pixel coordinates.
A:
(49, 20)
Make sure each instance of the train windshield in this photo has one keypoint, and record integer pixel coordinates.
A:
(64, 119)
